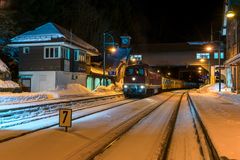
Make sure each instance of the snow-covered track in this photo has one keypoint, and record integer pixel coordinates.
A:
(207, 148)
(76, 116)
(15, 116)
(112, 136)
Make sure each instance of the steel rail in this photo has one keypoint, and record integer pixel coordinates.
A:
(114, 134)
(56, 124)
(210, 150)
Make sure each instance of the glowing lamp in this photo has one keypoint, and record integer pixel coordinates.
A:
(112, 49)
(230, 14)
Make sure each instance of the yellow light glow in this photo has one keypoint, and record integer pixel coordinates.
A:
(199, 71)
(112, 49)
(202, 60)
(200, 68)
(209, 48)
(169, 73)
(158, 71)
(230, 14)
(133, 59)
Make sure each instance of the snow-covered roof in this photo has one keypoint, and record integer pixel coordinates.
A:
(3, 66)
(50, 32)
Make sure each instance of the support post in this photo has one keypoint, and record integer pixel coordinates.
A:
(104, 61)
(219, 65)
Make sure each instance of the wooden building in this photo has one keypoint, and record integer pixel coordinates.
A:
(51, 56)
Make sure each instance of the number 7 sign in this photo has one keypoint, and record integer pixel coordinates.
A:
(65, 117)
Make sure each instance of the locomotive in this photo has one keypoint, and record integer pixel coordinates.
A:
(142, 80)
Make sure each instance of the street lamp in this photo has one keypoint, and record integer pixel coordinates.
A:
(230, 14)
(112, 49)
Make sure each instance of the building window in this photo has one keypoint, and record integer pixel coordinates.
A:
(137, 57)
(76, 55)
(216, 55)
(66, 53)
(82, 57)
(26, 50)
(88, 59)
(79, 55)
(51, 53)
(202, 56)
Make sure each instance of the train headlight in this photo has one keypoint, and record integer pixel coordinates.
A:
(125, 86)
(133, 79)
(142, 87)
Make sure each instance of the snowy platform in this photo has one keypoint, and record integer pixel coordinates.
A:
(221, 118)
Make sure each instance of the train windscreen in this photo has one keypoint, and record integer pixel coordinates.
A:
(134, 72)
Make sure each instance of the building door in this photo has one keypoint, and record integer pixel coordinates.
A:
(26, 84)
(90, 83)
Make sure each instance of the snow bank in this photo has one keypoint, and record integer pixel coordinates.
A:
(70, 90)
(3, 66)
(12, 98)
(8, 84)
(110, 89)
(212, 88)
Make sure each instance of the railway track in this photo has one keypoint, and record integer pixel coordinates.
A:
(147, 133)
(15, 116)
(206, 146)
(160, 149)
(118, 101)
(106, 141)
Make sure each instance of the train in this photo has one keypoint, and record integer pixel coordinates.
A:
(143, 80)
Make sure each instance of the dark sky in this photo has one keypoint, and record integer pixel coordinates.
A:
(179, 20)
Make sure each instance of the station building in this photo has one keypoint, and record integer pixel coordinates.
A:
(51, 56)
(231, 29)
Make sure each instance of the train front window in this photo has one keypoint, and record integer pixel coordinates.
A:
(134, 72)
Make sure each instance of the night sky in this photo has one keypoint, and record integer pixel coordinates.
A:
(179, 20)
(146, 21)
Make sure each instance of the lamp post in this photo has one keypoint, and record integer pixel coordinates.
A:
(112, 50)
(219, 66)
(211, 48)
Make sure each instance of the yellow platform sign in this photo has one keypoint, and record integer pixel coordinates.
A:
(65, 117)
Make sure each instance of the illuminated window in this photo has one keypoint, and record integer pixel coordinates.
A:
(137, 57)
(51, 53)
(216, 55)
(76, 55)
(26, 50)
(202, 56)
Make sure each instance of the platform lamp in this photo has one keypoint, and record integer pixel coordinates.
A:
(112, 49)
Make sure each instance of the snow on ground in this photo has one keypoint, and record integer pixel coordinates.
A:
(222, 121)
(224, 94)
(145, 140)
(71, 90)
(54, 143)
(111, 89)
(14, 98)
(184, 144)
(3, 66)
(8, 84)
(212, 88)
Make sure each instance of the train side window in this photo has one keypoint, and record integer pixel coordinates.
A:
(140, 72)
(129, 71)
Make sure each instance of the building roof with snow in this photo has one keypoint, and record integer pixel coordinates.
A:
(51, 32)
